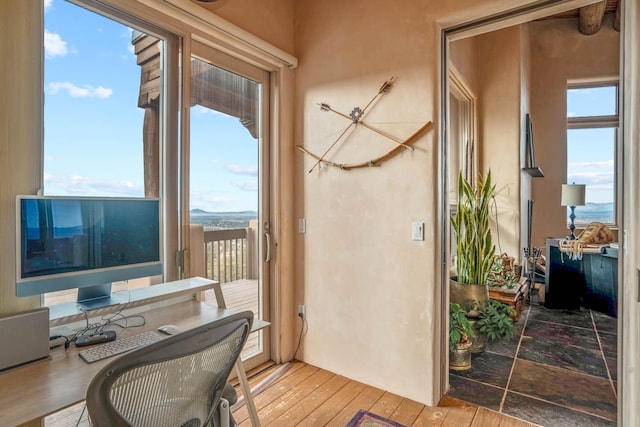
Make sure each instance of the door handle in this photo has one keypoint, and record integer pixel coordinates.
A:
(267, 239)
(267, 252)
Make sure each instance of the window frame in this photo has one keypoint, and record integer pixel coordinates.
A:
(599, 122)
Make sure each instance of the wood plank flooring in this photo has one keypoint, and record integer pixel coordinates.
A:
(305, 395)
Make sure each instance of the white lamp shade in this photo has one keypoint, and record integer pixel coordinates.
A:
(573, 194)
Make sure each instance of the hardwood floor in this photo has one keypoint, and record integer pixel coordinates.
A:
(299, 394)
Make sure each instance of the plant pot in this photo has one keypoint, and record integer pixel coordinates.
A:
(460, 358)
(472, 298)
(513, 297)
(479, 343)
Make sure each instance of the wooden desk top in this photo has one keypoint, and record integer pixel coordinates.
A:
(41, 388)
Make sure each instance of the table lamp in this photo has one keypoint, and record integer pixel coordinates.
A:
(572, 196)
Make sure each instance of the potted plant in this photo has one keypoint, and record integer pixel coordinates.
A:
(474, 250)
(506, 285)
(496, 321)
(460, 338)
(503, 274)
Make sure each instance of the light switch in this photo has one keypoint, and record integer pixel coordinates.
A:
(417, 231)
(302, 226)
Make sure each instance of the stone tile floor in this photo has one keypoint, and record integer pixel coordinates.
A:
(558, 370)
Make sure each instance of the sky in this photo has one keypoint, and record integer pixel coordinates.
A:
(93, 126)
(591, 152)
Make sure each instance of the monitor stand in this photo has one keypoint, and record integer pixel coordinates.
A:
(97, 296)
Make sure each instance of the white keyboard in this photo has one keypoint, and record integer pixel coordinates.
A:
(120, 345)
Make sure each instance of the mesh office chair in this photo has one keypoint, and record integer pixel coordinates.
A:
(175, 382)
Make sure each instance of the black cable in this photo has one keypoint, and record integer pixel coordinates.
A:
(67, 341)
(303, 328)
(90, 328)
(81, 414)
(107, 320)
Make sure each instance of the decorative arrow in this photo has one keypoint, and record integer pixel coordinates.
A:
(327, 107)
(355, 117)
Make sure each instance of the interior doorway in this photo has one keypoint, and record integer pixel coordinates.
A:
(608, 363)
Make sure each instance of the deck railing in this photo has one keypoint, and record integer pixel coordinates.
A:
(230, 254)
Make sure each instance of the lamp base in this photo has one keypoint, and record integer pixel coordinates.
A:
(572, 225)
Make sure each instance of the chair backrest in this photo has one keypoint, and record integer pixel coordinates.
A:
(174, 382)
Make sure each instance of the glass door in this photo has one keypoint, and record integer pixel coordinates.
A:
(227, 184)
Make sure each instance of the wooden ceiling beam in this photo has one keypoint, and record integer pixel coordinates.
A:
(590, 19)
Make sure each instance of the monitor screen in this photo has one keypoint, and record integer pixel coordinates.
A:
(73, 242)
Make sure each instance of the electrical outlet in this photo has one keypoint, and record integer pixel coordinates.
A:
(302, 312)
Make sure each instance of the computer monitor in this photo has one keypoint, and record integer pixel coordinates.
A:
(85, 243)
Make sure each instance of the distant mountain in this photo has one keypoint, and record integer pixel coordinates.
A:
(239, 213)
(222, 220)
(198, 211)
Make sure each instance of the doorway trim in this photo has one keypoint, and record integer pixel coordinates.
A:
(629, 314)
(467, 133)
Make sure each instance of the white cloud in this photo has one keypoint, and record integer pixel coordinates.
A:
(80, 92)
(47, 5)
(592, 179)
(80, 185)
(199, 110)
(251, 185)
(208, 202)
(243, 170)
(217, 200)
(54, 45)
(602, 164)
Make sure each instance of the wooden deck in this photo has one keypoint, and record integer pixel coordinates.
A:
(303, 395)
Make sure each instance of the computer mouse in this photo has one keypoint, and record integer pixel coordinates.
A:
(169, 329)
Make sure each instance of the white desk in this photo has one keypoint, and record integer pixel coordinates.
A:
(186, 289)
(41, 388)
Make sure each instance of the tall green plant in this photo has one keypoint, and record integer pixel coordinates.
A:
(470, 223)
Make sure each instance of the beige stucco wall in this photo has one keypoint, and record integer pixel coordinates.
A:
(560, 53)
(500, 117)
(20, 134)
(372, 294)
(463, 55)
(270, 20)
(370, 291)
(526, 181)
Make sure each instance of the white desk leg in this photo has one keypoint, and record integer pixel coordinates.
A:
(246, 391)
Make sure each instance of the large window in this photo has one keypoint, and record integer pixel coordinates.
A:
(592, 128)
(102, 86)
